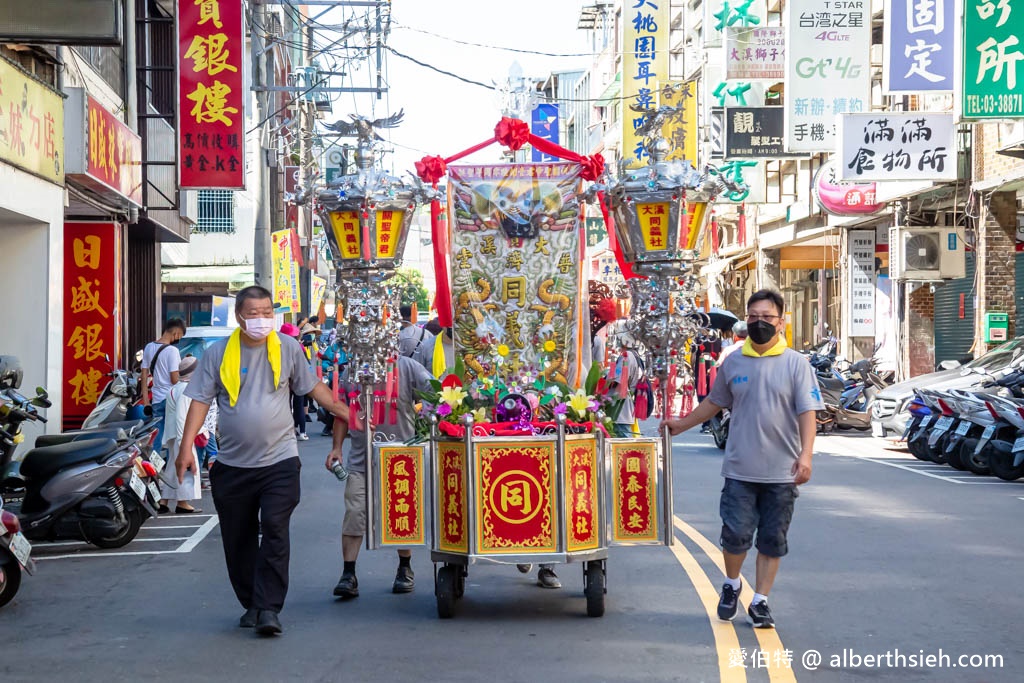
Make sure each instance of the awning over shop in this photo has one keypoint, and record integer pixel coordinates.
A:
(813, 257)
(236, 277)
(743, 260)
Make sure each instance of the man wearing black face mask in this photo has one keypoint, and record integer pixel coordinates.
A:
(773, 395)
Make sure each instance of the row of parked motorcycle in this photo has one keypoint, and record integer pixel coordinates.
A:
(847, 391)
(977, 430)
(98, 484)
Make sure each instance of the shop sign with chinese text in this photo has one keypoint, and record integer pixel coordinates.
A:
(680, 128)
(843, 198)
(211, 95)
(284, 245)
(755, 53)
(92, 315)
(993, 48)
(721, 15)
(31, 124)
(103, 153)
(898, 146)
(918, 48)
(861, 284)
(827, 69)
(755, 133)
(645, 46)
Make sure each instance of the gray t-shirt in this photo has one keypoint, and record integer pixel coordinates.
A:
(258, 430)
(765, 396)
(412, 377)
(411, 339)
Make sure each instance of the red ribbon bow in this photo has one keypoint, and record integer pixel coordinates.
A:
(431, 169)
(593, 167)
(512, 133)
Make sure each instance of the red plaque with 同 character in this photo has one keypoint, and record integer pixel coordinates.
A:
(634, 491)
(451, 501)
(516, 497)
(581, 494)
(402, 496)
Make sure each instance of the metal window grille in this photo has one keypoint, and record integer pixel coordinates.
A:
(216, 211)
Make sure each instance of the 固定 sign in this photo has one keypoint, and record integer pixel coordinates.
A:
(898, 146)
(918, 46)
(993, 46)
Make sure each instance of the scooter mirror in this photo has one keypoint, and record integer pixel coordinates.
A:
(148, 411)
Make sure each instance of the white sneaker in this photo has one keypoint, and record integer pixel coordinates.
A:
(303, 437)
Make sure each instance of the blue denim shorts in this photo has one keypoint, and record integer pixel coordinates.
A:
(747, 507)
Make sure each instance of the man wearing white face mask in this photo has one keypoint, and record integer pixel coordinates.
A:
(255, 481)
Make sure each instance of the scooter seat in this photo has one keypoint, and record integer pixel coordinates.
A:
(40, 463)
(49, 440)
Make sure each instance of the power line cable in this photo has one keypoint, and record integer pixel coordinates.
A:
(496, 47)
(438, 69)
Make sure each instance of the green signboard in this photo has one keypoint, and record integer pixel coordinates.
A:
(596, 231)
(993, 47)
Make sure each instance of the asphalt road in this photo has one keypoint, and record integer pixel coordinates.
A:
(888, 555)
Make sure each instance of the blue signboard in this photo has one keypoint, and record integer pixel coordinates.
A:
(544, 124)
(918, 46)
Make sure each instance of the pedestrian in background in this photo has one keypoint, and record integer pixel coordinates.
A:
(298, 400)
(251, 376)
(739, 333)
(161, 360)
(773, 396)
(412, 378)
(412, 337)
(177, 408)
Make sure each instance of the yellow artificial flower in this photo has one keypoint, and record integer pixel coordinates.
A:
(502, 350)
(579, 402)
(480, 415)
(549, 345)
(453, 396)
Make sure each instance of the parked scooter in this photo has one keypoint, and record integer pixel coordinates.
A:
(720, 428)
(118, 399)
(15, 555)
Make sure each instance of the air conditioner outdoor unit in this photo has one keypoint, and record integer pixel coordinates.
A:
(931, 253)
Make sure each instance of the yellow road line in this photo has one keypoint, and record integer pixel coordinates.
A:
(726, 640)
(767, 638)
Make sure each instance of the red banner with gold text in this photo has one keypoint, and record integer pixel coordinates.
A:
(92, 303)
(211, 96)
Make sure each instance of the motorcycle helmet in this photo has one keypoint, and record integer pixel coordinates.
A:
(10, 372)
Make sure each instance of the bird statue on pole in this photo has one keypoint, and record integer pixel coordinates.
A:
(363, 128)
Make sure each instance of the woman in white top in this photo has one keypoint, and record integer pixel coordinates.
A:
(177, 408)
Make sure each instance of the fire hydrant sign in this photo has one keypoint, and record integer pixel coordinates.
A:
(211, 96)
(992, 51)
(828, 46)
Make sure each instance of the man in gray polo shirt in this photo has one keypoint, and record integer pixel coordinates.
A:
(412, 378)
(773, 395)
(255, 481)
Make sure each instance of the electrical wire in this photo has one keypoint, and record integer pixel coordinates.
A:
(437, 69)
(496, 47)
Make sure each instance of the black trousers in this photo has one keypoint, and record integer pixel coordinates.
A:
(299, 412)
(248, 500)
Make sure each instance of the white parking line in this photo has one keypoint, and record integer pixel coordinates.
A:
(189, 544)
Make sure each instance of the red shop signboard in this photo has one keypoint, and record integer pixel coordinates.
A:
(211, 96)
(92, 312)
(103, 153)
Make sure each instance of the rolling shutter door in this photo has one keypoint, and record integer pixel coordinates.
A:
(954, 335)
(1019, 277)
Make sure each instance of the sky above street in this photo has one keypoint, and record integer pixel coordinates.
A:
(444, 115)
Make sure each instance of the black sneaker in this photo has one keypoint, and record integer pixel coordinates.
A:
(760, 616)
(348, 587)
(729, 602)
(405, 580)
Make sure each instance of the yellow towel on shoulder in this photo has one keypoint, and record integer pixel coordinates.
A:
(780, 346)
(231, 363)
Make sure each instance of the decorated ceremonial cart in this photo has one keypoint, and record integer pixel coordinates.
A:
(515, 464)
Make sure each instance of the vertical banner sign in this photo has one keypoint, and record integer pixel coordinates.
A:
(993, 48)
(645, 45)
(211, 95)
(753, 53)
(861, 285)
(402, 496)
(286, 271)
(31, 125)
(318, 287)
(92, 302)
(634, 490)
(918, 54)
(516, 269)
(581, 504)
(894, 146)
(453, 532)
(680, 129)
(544, 124)
(827, 70)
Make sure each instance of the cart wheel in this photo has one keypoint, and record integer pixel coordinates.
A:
(594, 588)
(460, 581)
(444, 589)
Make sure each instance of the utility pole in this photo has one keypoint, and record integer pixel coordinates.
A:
(263, 268)
(305, 209)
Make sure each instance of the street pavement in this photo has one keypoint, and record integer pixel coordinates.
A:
(888, 555)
